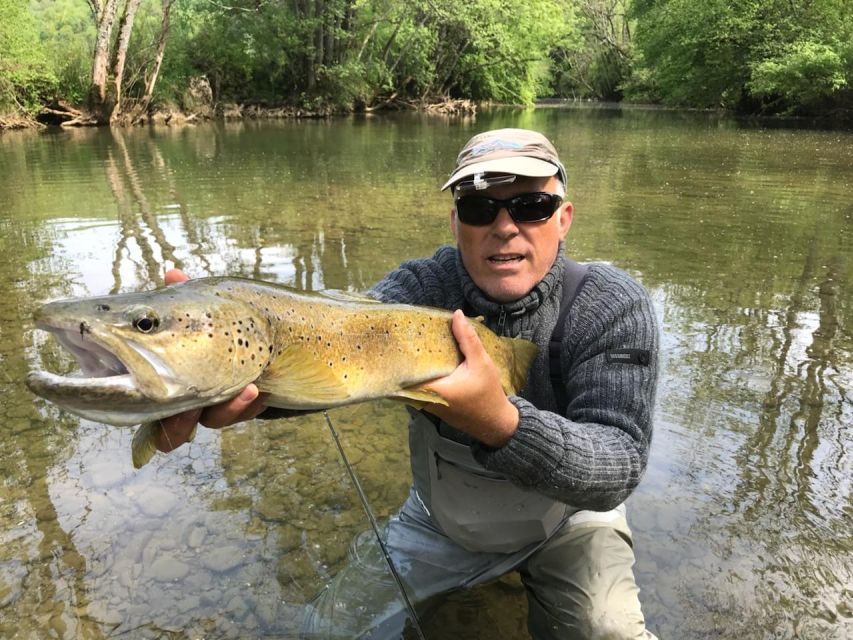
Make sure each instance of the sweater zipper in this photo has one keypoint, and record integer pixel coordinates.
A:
(501, 321)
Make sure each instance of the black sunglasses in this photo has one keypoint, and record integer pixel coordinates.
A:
(525, 207)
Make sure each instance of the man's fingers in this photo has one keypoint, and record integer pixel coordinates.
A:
(176, 430)
(466, 336)
(174, 276)
(244, 407)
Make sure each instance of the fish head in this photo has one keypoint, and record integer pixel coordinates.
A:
(161, 351)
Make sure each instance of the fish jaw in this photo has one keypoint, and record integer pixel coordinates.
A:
(118, 383)
(93, 398)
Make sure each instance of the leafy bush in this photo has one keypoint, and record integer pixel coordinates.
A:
(25, 77)
(806, 73)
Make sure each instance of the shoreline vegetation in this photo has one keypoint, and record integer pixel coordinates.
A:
(131, 62)
(60, 113)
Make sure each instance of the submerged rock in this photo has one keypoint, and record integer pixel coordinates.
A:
(221, 559)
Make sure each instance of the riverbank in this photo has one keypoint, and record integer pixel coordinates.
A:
(62, 114)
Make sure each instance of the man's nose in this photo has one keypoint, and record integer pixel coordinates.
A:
(504, 223)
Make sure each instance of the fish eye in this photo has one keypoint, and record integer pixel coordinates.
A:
(146, 321)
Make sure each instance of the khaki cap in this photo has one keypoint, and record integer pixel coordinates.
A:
(519, 152)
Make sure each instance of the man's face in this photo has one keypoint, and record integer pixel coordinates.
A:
(507, 259)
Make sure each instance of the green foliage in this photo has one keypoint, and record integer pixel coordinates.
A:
(25, 78)
(346, 52)
(65, 38)
(695, 50)
(753, 55)
(597, 62)
(806, 74)
(746, 54)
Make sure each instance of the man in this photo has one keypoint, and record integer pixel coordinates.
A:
(532, 483)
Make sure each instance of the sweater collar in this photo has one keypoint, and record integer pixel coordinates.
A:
(481, 304)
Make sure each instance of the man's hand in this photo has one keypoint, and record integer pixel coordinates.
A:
(477, 404)
(177, 429)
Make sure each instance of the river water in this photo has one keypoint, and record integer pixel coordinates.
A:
(743, 233)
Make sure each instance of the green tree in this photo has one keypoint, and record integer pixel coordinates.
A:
(366, 53)
(25, 76)
(770, 55)
(598, 62)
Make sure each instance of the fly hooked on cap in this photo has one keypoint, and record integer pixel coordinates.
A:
(481, 181)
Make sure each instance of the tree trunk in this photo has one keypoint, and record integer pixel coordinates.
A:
(310, 55)
(120, 56)
(158, 59)
(320, 33)
(105, 20)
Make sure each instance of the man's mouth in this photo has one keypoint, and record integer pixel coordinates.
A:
(506, 259)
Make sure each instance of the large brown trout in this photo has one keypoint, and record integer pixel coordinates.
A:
(144, 356)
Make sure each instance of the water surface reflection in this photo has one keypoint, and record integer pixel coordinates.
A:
(742, 523)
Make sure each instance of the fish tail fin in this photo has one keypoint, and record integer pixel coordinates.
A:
(144, 444)
(523, 354)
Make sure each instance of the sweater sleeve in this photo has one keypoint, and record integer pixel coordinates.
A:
(594, 455)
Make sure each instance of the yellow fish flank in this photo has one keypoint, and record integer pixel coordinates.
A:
(144, 356)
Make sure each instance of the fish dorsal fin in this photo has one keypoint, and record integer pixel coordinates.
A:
(297, 374)
(418, 397)
(348, 296)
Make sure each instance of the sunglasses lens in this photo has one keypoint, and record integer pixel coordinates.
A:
(477, 210)
(527, 207)
(532, 207)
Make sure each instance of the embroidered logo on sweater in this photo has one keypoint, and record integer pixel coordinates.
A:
(629, 356)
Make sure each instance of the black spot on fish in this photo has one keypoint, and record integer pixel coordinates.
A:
(102, 307)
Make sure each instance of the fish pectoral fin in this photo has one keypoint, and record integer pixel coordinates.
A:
(144, 444)
(297, 374)
(418, 397)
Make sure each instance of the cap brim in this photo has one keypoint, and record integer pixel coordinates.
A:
(519, 166)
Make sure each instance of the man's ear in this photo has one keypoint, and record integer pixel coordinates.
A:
(564, 220)
(453, 224)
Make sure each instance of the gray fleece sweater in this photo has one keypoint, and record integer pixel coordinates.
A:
(592, 453)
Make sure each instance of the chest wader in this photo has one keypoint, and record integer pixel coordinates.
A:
(479, 509)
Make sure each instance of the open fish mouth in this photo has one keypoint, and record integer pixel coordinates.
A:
(98, 365)
(94, 360)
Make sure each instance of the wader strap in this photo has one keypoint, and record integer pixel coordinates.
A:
(573, 277)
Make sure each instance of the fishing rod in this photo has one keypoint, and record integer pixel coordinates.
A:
(400, 586)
